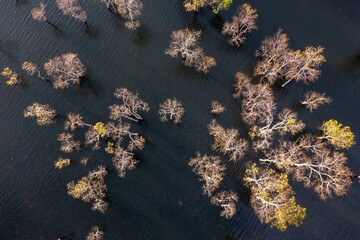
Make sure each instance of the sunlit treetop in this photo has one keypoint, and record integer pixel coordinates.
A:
(340, 136)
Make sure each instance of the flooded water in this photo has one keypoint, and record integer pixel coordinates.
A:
(162, 198)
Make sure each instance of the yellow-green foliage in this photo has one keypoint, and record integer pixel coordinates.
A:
(11, 76)
(100, 129)
(76, 191)
(62, 163)
(194, 5)
(272, 198)
(218, 5)
(340, 136)
(110, 148)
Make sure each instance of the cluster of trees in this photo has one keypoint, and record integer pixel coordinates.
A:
(185, 43)
(130, 10)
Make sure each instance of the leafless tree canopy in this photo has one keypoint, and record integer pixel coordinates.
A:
(227, 141)
(313, 100)
(217, 107)
(287, 123)
(172, 110)
(185, 43)
(68, 144)
(244, 22)
(130, 10)
(38, 13)
(124, 160)
(91, 188)
(43, 113)
(227, 200)
(74, 121)
(210, 171)
(278, 61)
(309, 161)
(65, 70)
(132, 105)
(95, 234)
(71, 8)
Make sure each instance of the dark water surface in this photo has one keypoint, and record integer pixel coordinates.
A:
(162, 198)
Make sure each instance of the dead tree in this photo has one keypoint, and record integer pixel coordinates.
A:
(185, 43)
(130, 10)
(91, 188)
(43, 113)
(132, 104)
(68, 144)
(38, 14)
(227, 141)
(123, 161)
(309, 161)
(227, 200)
(210, 171)
(71, 8)
(31, 69)
(243, 23)
(258, 103)
(95, 234)
(287, 123)
(217, 107)
(65, 70)
(313, 100)
(172, 110)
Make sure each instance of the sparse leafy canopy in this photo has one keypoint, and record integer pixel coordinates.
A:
(340, 136)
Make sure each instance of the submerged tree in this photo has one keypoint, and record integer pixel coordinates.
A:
(309, 161)
(313, 100)
(227, 200)
(195, 5)
(65, 70)
(91, 188)
(338, 135)
(12, 77)
(95, 234)
(123, 160)
(43, 113)
(185, 43)
(287, 123)
(132, 105)
(31, 69)
(243, 23)
(38, 14)
(210, 171)
(130, 10)
(227, 141)
(216, 5)
(172, 110)
(62, 163)
(272, 198)
(217, 107)
(68, 144)
(278, 61)
(71, 8)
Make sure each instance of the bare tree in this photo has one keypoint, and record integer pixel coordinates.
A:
(130, 10)
(31, 69)
(65, 70)
(287, 123)
(313, 100)
(272, 198)
(68, 144)
(71, 8)
(43, 113)
(185, 43)
(227, 141)
(172, 110)
(217, 107)
(91, 188)
(123, 160)
(243, 23)
(309, 161)
(132, 104)
(274, 52)
(210, 171)
(95, 234)
(242, 83)
(227, 200)
(38, 14)
(74, 121)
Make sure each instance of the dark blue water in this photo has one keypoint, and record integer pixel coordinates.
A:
(162, 198)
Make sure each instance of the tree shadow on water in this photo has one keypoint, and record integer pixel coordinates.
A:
(216, 22)
(142, 36)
